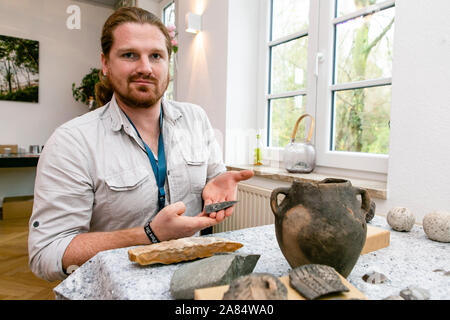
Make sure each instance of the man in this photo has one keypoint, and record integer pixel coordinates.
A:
(134, 172)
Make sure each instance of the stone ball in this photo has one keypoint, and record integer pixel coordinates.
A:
(437, 226)
(401, 219)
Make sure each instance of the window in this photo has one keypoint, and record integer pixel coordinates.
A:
(168, 18)
(333, 60)
(288, 59)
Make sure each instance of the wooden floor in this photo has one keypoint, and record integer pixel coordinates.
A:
(17, 282)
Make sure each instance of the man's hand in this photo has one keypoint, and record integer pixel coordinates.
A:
(170, 223)
(223, 188)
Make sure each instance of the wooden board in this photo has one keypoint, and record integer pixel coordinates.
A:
(377, 238)
(216, 293)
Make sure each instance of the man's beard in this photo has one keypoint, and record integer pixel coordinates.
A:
(153, 95)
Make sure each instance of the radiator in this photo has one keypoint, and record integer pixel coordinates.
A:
(253, 209)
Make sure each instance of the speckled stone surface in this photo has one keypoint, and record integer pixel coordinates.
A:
(410, 260)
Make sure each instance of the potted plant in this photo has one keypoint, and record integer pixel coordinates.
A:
(86, 91)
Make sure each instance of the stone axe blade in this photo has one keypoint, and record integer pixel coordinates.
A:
(214, 207)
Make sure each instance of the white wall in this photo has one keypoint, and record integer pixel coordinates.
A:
(150, 5)
(419, 170)
(65, 56)
(202, 60)
(243, 75)
(218, 69)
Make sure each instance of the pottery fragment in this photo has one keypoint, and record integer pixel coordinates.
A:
(256, 286)
(314, 280)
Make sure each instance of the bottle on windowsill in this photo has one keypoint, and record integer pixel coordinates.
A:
(257, 160)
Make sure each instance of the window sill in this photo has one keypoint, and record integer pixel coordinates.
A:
(376, 189)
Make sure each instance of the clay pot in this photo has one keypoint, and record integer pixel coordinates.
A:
(321, 223)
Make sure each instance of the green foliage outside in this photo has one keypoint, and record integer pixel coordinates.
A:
(362, 115)
(364, 52)
(289, 73)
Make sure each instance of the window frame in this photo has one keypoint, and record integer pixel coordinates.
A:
(273, 153)
(164, 5)
(320, 87)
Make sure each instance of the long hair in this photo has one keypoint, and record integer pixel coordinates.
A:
(103, 89)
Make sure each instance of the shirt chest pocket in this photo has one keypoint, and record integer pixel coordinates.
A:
(129, 194)
(196, 165)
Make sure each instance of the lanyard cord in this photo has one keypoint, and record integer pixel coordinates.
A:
(159, 167)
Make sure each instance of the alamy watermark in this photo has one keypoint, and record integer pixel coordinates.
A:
(73, 22)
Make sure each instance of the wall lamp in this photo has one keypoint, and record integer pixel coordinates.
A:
(193, 23)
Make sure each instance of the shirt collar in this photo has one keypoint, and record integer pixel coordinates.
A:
(170, 113)
(117, 120)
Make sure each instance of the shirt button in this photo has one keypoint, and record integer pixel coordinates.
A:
(36, 224)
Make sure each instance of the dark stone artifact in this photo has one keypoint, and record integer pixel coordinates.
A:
(415, 293)
(314, 280)
(371, 213)
(217, 270)
(256, 286)
(445, 273)
(393, 297)
(374, 277)
(219, 206)
(321, 223)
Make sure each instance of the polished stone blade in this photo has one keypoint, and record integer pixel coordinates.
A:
(219, 206)
(314, 280)
(218, 270)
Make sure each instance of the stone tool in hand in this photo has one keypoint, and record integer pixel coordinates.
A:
(215, 207)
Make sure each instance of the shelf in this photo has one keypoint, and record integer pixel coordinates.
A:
(19, 160)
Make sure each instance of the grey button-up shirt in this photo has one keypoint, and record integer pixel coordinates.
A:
(94, 175)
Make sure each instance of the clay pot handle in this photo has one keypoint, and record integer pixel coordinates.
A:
(365, 200)
(274, 199)
(311, 129)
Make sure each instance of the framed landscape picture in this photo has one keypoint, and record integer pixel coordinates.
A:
(19, 69)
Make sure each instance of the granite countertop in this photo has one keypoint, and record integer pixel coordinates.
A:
(410, 260)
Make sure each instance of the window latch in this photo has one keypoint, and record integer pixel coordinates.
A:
(319, 59)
